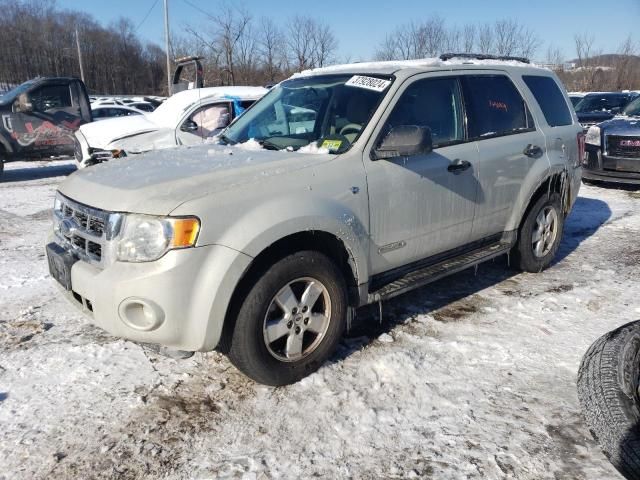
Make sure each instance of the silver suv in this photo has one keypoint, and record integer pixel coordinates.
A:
(341, 187)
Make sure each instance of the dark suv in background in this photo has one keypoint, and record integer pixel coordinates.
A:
(600, 106)
(613, 148)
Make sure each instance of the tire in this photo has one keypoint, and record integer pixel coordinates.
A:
(525, 255)
(608, 394)
(266, 339)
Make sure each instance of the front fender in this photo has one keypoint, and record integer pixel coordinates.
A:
(250, 227)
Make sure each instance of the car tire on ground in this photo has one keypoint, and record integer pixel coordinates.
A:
(540, 234)
(608, 392)
(291, 320)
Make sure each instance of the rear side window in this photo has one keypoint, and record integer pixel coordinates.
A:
(494, 107)
(550, 98)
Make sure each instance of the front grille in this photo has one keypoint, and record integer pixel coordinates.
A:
(624, 147)
(81, 229)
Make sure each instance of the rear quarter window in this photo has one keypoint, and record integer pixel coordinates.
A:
(548, 95)
(494, 107)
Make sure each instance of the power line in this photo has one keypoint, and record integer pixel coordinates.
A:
(199, 9)
(147, 15)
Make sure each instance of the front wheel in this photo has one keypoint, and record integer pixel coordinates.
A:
(540, 234)
(291, 320)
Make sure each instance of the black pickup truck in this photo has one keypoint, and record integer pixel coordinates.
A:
(38, 118)
(613, 148)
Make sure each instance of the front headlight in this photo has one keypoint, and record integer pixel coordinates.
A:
(593, 136)
(144, 238)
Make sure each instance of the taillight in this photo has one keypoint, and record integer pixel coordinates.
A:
(581, 149)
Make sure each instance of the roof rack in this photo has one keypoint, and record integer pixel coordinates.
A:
(481, 56)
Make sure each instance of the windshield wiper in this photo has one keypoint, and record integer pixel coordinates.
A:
(226, 140)
(270, 145)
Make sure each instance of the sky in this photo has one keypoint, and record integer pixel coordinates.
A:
(360, 27)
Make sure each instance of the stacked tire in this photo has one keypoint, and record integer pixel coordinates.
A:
(608, 382)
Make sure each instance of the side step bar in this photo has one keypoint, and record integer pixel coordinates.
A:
(423, 276)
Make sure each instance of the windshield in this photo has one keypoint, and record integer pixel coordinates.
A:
(595, 103)
(329, 111)
(633, 109)
(11, 95)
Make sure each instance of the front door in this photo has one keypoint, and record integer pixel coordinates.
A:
(205, 122)
(423, 205)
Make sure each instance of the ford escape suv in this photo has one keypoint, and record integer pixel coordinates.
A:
(341, 187)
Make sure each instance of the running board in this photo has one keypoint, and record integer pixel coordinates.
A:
(423, 276)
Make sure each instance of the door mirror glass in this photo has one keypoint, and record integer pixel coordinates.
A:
(405, 141)
(23, 104)
(189, 126)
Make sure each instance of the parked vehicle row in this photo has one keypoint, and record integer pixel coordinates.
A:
(340, 187)
(189, 117)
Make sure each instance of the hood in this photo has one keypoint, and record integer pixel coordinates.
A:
(597, 117)
(101, 134)
(622, 126)
(145, 141)
(156, 183)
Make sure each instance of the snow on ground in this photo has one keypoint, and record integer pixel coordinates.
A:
(471, 377)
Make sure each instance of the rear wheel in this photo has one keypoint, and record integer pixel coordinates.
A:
(291, 320)
(540, 234)
(608, 391)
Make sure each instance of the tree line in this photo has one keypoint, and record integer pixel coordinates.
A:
(39, 39)
(238, 48)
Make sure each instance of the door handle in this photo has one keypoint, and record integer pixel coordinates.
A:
(533, 151)
(458, 166)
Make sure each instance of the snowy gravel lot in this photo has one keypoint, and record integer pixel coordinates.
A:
(472, 377)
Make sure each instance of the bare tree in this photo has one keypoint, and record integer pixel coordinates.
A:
(325, 44)
(271, 43)
(486, 38)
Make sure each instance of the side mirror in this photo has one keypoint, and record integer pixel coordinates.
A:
(405, 141)
(23, 104)
(189, 126)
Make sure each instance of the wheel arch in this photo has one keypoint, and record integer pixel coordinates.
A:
(318, 240)
(553, 181)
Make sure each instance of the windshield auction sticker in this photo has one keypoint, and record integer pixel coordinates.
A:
(370, 83)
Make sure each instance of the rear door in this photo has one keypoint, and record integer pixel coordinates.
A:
(509, 143)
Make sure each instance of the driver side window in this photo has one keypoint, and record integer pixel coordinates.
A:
(209, 120)
(433, 103)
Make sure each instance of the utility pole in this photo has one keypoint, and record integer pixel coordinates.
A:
(79, 55)
(166, 35)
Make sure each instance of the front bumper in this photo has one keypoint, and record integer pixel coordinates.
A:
(603, 168)
(187, 293)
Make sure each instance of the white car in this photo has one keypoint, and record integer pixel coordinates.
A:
(187, 118)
